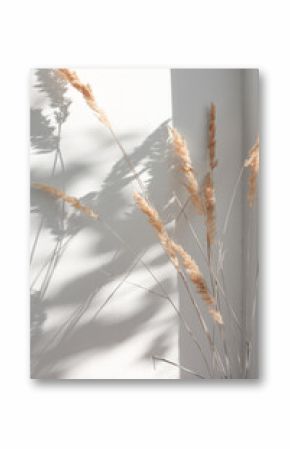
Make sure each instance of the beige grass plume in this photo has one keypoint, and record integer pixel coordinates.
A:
(208, 186)
(212, 137)
(159, 227)
(253, 163)
(198, 280)
(209, 204)
(71, 200)
(174, 250)
(181, 150)
(85, 89)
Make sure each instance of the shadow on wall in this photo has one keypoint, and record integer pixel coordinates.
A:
(49, 350)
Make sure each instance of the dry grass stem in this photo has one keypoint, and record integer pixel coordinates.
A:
(71, 200)
(181, 367)
(253, 164)
(85, 89)
(174, 250)
(209, 204)
(181, 150)
(212, 137)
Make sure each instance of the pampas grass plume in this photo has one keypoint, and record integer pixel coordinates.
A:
(181, 151)
(85, 89)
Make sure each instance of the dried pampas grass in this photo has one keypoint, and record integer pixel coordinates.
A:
(212, 137)
(159, 227)
(71, 200)
(173, 250)
(181, 150)
(85, 89)
(209, 204)
(198, 280)
(253, 164)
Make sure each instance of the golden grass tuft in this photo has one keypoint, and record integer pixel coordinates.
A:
(71, 200)
(85, 89)
(209, 203)
(181, 150)
(253, 164)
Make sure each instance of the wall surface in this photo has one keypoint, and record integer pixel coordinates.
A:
(98, 318)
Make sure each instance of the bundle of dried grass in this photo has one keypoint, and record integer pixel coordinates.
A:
(181, 150)
(253, 163)
(212, 137)
(71, 200)
(174, 250)
(85, 89)
(209, 204)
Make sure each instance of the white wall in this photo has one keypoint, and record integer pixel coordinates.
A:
(135, 325)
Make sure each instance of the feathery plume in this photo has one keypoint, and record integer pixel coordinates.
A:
(194, 273)
(198, 280)
(212, 137)
(209, 202)
(181, 150)
(173, 250)
(159, 227)
(71, 200)
(253, 163)
(85, 89)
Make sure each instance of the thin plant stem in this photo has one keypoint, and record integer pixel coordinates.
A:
(181, 367)
(135, 284)
(230, 206)
(228, 304)
(128, 160)
(108, 299)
